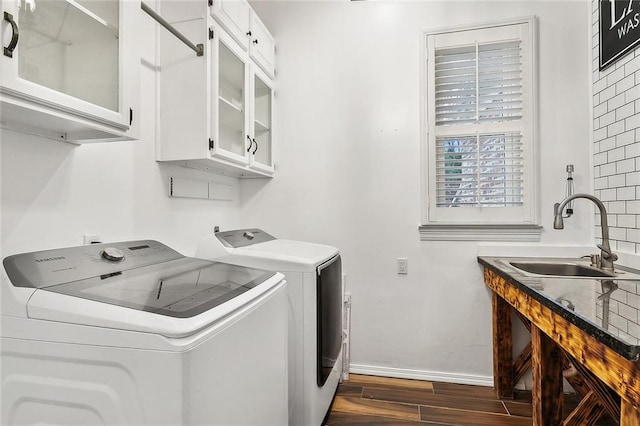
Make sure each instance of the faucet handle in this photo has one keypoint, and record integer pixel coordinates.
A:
(607, 253)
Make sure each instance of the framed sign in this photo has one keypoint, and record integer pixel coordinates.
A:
(619, 29)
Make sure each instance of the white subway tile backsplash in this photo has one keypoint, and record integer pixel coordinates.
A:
(608, 93)
(608, 118)
(617, 181)
(611, 143)
(633, 207)
(627, 221)
(624, 84)
(618, 234)
(628, 193)
(633, 234)
(601, 183)
(608, 195)
(617, 166)
(632, 150)
(625, 166)
(616, 102)
(619, 127)
(625, 111)
(600, 110)
(615, 76)
(608, 169)
(633, 178)
(615, 155)
(628, 137)
(616, 207)
(632, 65)
(600, 158)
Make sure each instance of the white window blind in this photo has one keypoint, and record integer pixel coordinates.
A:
(479, 83)
(479, 171)
(480, 143)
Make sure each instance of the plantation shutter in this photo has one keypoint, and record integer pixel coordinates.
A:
(478, 83)
(480, 125)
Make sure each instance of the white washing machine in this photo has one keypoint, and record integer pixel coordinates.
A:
(135, 333)
(314, 285)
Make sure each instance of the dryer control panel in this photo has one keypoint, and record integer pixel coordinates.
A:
(243, 237)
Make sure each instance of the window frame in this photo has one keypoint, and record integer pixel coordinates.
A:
(489, 223)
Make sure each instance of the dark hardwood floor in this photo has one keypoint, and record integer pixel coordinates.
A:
(369, 400)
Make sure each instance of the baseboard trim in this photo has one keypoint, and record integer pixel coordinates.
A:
(433, 376)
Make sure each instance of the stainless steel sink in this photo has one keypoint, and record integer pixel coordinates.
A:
(567, 268)
(561, 269)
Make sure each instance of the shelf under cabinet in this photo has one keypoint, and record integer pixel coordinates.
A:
(260, 127)
(231, 116)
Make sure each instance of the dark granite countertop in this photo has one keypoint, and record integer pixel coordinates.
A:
(608, 309)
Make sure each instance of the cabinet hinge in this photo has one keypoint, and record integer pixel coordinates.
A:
(211, 144)
(130, 116)
(211, 33)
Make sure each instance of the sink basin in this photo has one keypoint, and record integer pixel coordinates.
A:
(560, 269)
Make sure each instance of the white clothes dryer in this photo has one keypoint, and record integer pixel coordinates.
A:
(136, 333)
(314, 286)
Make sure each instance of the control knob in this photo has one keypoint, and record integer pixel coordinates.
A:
(113, 254)
(248, 235)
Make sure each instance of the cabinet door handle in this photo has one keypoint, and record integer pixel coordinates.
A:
(256, 148)
(255, 41)
(8, 51)
(250, 143)
(249, 33)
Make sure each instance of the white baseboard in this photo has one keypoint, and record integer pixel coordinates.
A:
(432, 376)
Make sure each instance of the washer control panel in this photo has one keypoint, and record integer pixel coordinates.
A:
(243, 237)
(51, 267)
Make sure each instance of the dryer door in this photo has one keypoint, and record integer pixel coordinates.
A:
(329, 312)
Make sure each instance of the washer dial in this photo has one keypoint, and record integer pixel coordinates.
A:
(113, 254)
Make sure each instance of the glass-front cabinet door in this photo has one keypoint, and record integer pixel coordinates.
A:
(69, 54)
(229, 100)
(262, 118)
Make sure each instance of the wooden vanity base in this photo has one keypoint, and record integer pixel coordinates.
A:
(605, 381)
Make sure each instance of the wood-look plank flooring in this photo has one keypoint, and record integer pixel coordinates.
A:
(370, 400)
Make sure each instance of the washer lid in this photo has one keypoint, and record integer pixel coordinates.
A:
(179, 288)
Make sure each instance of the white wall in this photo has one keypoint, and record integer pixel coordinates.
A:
(54, 192)
(348, 168)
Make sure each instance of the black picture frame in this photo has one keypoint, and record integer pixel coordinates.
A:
(619, 29)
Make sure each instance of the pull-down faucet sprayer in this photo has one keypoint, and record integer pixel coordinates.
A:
(606, 255)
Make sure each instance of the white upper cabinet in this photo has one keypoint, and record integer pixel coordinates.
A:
(262, 47)
(70, 69)
(244, 26)
(215, 111)
(234, 17)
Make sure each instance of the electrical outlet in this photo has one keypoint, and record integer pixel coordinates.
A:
(91, 239)
(403, 265)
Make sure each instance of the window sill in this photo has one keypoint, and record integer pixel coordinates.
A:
(480, 232)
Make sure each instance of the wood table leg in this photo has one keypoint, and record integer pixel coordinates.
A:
(502, 348)
(547, 380)
(629, 416)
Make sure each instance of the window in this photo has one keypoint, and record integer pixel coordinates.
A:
(479, 133)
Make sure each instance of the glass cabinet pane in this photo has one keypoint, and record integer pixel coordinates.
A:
(262, 121)
(231, 102)
(72, 47)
